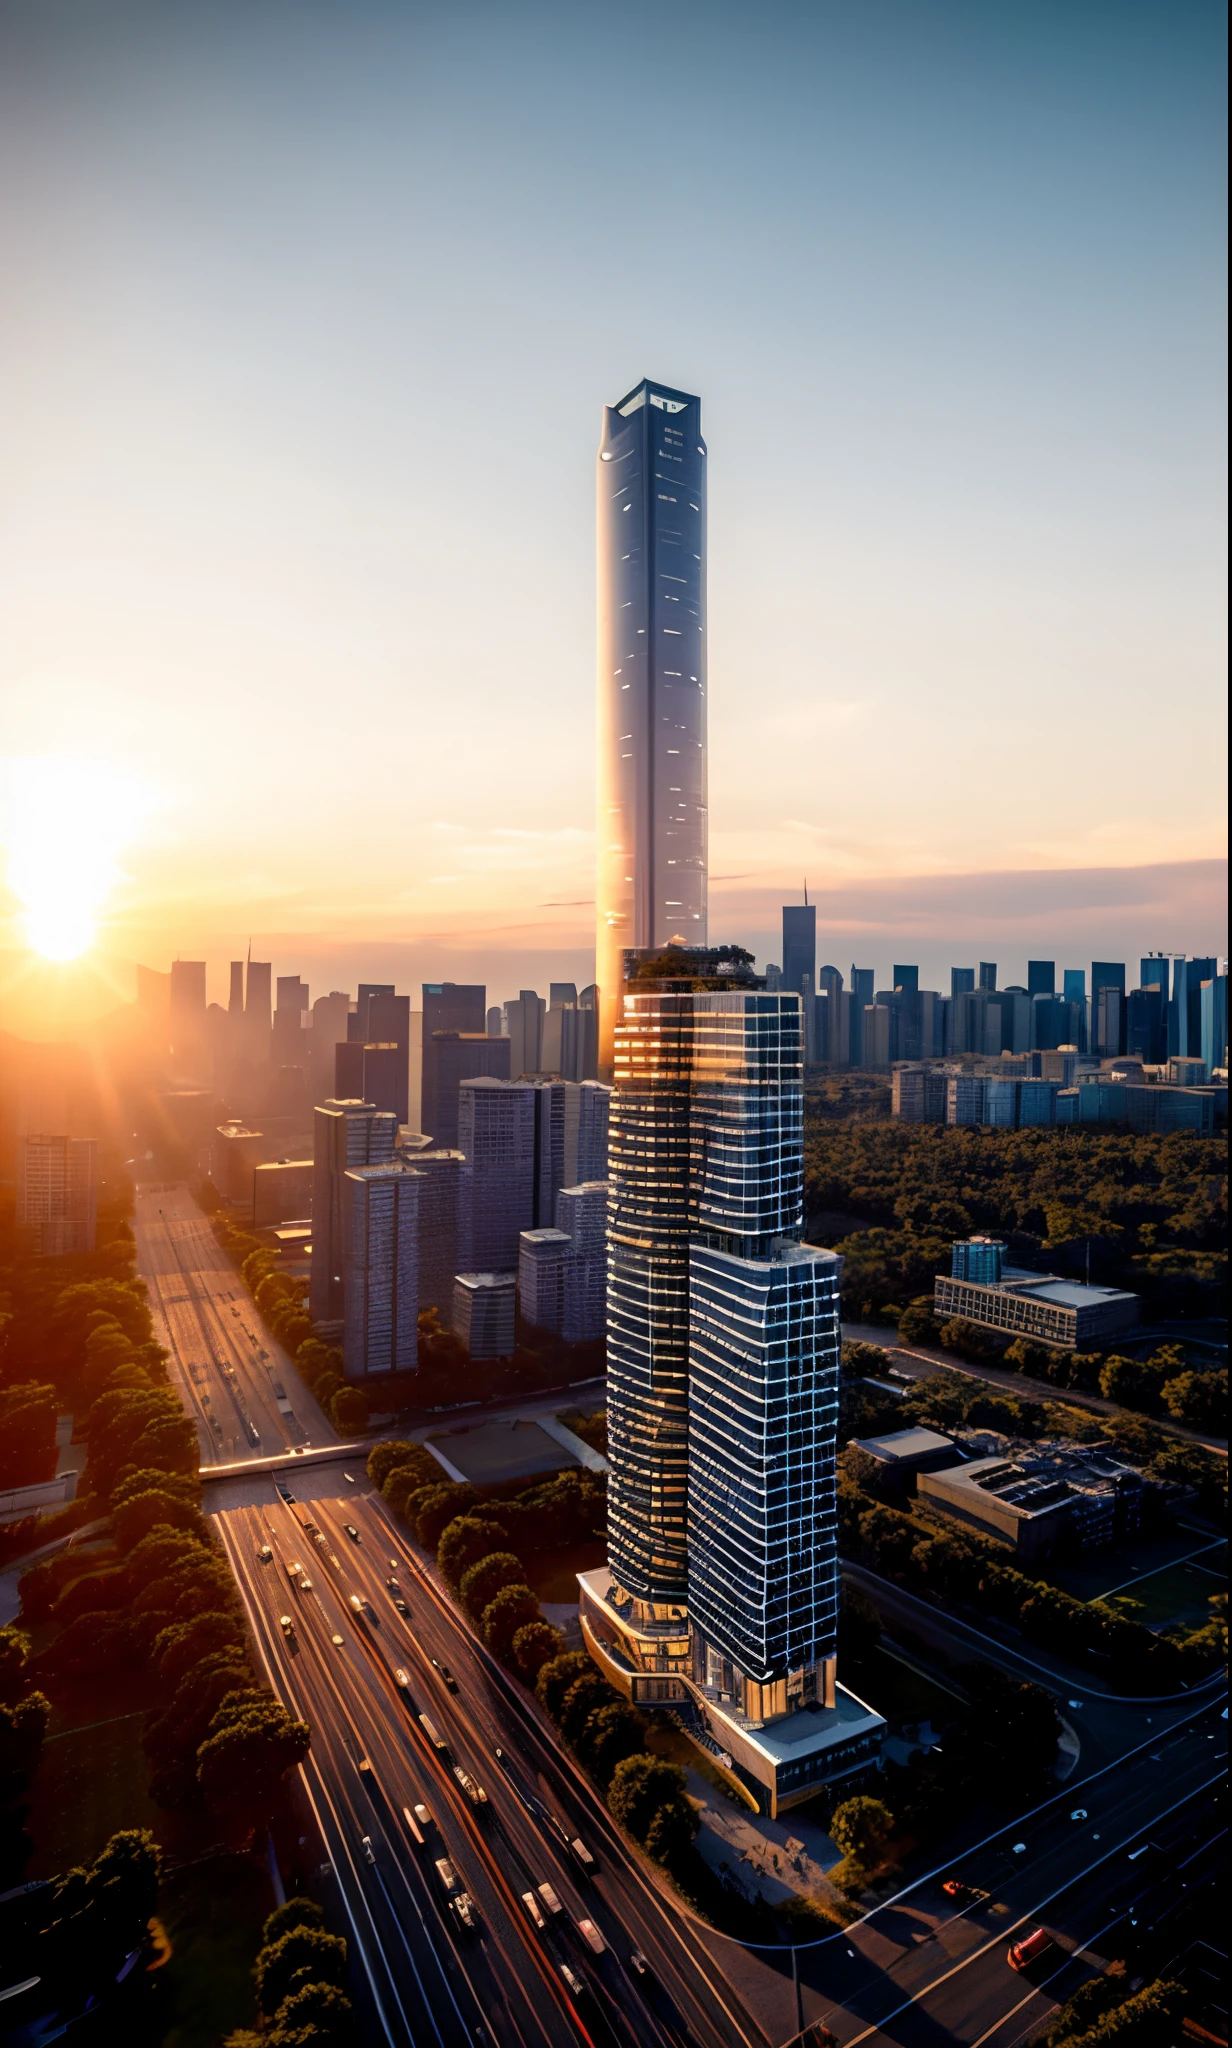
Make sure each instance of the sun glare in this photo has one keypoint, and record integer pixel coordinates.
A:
(66, 820)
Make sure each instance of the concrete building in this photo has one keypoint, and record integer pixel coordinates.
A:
(549, 1166)
(918, 1095)
(496, 1131)
(485, 1313)
(995, 1497)
(542, 1258)
(905, 1453)
(1041, 1306)
(380, 1269)
(651, 785)
(236, 1150)
(56, 1193)
(346, 1135)
(454, 1006)
(587, 1108)
(189, 1045)
(721, 1591)
(800, 947)
(526, 1017)
(281, 1189)
(442, 1224)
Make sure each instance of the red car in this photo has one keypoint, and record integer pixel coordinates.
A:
(1028, 1949)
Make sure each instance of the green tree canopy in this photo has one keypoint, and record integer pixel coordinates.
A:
(483, 1580)
(510, 1610)
(860, 1828)
(467, 1539)
(300, 1948)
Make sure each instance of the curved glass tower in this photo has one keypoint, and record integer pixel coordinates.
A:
(651, 725)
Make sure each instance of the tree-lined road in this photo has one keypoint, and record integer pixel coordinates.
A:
(236, 1381)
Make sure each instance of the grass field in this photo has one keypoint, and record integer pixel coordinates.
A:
(1171, 1583)
(213, 1912)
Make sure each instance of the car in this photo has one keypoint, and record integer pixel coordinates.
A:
(293, 1571)
(450, 1882)
(474, 1792)
(966, 1894)
(365, 1843)
(413, 1829)
(462, 1906)
(533, 1912)
(422, 1814)
(339, 1642)
(287, 1626)
(352, 1531)
(349, 1480)
(305, 1585)
(638, 1962)
(254, 1434)
(1019, 1849)
(1075, 1704)
(445, 1675)
(572, 1981)
(502, 1759)
(1033, 1945)
(367, 1775)
(591, 1936)
(370, 1614)
(402, 1678)
(393, 1564)
(582, 1857)
(264, 1554)
(1079, 1813)
(402, 1608)
(434, 1735)
(392, 1586)
(550, 1900)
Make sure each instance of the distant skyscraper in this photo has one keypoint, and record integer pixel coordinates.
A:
(1074, 985)
(495, 1021)
(442, 1232)
(652, 781)
(908, 980)
(329, 1029)
(1153, 972)
(549, 1150)
(581, 1212)
(187, 1017)
(1108, 1016)
(962, 981)
(496, 1131)
(799, 946)
(453, 1006)
(526, 1020)
(542, 1257)
(862, 991)
(380, 1266)
(235, 1000)
(988, 974)
(449, 1059)
(345, 1135)
(258, 1015)
(1146, 1025)
(1041, 977)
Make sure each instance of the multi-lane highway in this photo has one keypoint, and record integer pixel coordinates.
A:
(237, 1383)
(363, 1676)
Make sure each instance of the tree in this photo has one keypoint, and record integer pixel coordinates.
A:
(613, 1732)
(556, 1677)
(483, 1580)
(314, 2016)
(968, 1340)
(184, 1643)
(348, 1411)
(160, 1550)
(536, 1644)
(94, 1642)
(404, 1480)
(14, 1656)
(149, 1479)
(252, 1743)
(433, 1508)
(859, 1624)
(124, 1883)
(1199, 1399)
(512, 1608)
(292, 1913)
(22, 1729)
(640, 1786)
(669, 1838)
(27, 1433)
(300, 1948)
(917, 1323)
(467, 1539)
(864, 1361)
(145, 1511)
(383, 1458)
(860, 1828)
(585, 1697)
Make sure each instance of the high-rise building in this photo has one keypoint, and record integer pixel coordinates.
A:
(1146, 1025)
(799, 946)
(526, 1020)
(496, 1021)
(1107, 1008)
(345, 1135)
(496, 1131)
(453, 1006)
(1214, 1023)
(485, 1308)
(962, 981)
(549, 1150)
(1185, 1027)
(258, 1015)
(187, 1018)
(56, 1200)
(449, 1059)
(543, 1255)
(442, 1227)
(988, 975)
(862, 980)
(328, 1030)
(380, 1269)
(1041, 977)
(581, 1212)
(651, 727)
(1074, 984)
(908, 980)
(235, 999)
(721, 1592)
(593, 1110)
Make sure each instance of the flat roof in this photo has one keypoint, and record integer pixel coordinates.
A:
(1075, 1294)
(802, 1734)
(905, 1443)
(502, 1280)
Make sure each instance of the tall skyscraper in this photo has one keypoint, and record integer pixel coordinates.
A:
(258, 1014)
(1041, 977)
(441, 1225)
(862, 979)
(799, 946)
(651, 725)
(496, 1131)
(988, 975)
(56, 1199)
(187, 1018)
(962, 981)
(449, 1059)
(380, 1269)
(453, 1006)
(721, 1592)
(345, 1135)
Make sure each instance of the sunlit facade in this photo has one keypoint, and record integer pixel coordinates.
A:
(651, 724)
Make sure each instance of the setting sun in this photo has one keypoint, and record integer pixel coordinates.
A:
(66, 820)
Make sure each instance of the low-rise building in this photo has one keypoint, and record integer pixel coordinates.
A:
(485, 1313)
(999, 1499)
(281, 1189)
(1052, 1310)
(905, 1453)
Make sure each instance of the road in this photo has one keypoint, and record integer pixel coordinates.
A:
(426, 1979)
(236, 1381)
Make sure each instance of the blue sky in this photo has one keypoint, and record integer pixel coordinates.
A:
(316, 310)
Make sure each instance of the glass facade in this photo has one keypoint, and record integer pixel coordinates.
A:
(380, 1270)
(651, 726)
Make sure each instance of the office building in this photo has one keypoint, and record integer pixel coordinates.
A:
(485, 1308)
(907, 979)
(581, 1213)
(1146, 1025)
(917, 1095)
(1041, 1306)
(449, 1059)
(1108, 1021)
(981, 1259)
(1027, 1514)
(258, 1013)
(878, 1039)
(833, 1004)
(235, 997)
(549, 1167)
(1214, 1023)
(496, 1131)
(542, 1258)
(453, 1006)
(799, 946)
(652, 783)
(1041, 977)
(496, 1021)
(721, 1590)
(1185, 1009)
(587, 1106)
(56, 1193)
(988, 975)
(862, 979)
(962, 981)
(281, 1190)
(345, 1135)
(380, 1269)
(773, 977)
(381, 1023)
(1153, 973)
(186, 1017)
(525, 1020)
(1074, 985)
(442, 1223)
